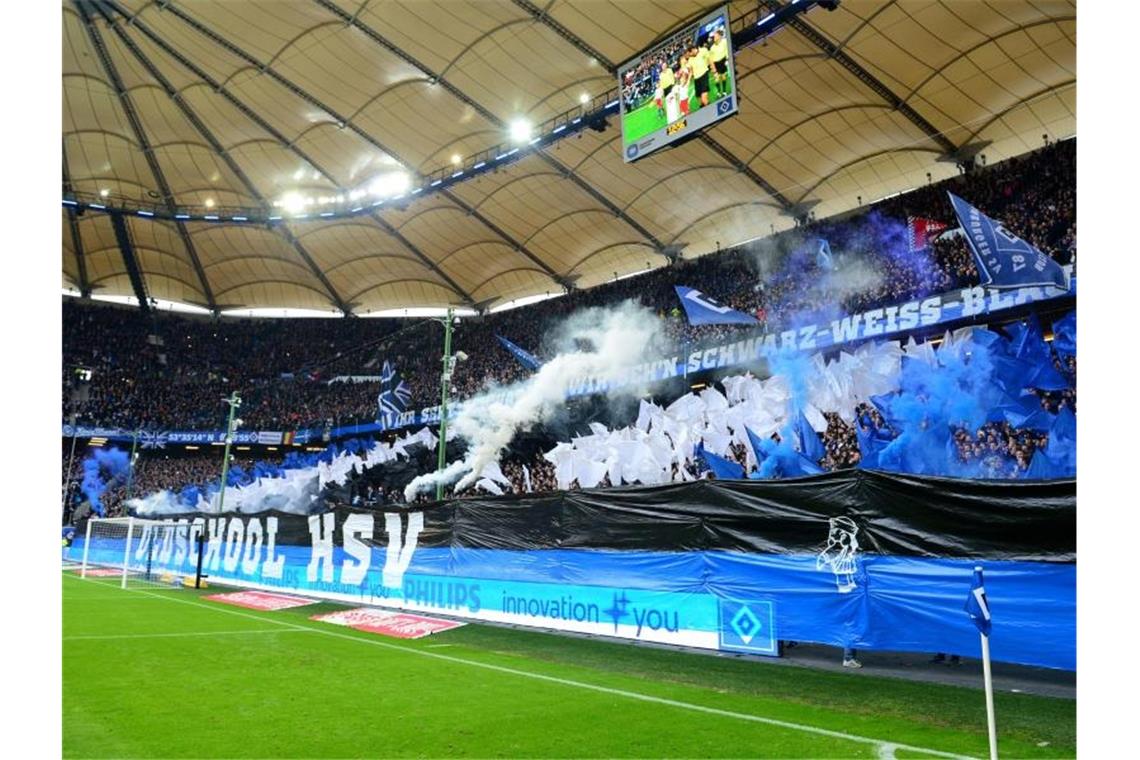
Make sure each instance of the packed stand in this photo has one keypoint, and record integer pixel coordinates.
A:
(171, 372)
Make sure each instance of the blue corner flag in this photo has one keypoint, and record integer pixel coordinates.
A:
(703, 310)
(1004, 260)
(976, 605)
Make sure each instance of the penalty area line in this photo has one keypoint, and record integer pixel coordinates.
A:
(884, 747)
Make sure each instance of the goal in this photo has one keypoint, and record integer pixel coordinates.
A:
(143, 552)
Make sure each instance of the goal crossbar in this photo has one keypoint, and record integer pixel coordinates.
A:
(142, 548)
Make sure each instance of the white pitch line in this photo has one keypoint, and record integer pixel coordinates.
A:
(879, 744)
(179, 634)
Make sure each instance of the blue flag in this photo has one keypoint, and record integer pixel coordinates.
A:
(810, 445)
(823, 255)
(703, 310)
(976, 605)
(1004, 260)
(1065, 335)
(723, 468)
(526, 358)
(395, 395)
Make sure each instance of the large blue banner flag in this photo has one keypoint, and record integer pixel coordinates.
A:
(395, 395)
(1004, 260)
(526, 358)
(703, 310)
(976, 605)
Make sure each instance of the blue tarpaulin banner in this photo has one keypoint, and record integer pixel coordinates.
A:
(865, 560)
(1004, 260)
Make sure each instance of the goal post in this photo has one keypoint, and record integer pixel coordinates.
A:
(141, 552)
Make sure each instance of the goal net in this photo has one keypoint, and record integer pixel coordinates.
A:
(140, 552)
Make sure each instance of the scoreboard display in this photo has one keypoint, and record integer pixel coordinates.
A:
(677, 87)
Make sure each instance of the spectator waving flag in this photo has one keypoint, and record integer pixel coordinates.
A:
(921, 231)
(976, 605)
(1004, 260)
(526, 358)
(395, 395)
(703, 310)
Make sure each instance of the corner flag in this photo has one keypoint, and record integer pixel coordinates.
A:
(976, 605)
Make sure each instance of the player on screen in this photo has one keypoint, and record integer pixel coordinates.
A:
(699, 65)
(666, 80)
(684, 78)
(718, 57)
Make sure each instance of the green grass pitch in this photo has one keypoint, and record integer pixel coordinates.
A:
(645, 119)
(162, 673)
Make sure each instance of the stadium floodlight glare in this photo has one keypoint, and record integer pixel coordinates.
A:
(521, 130)
(389, 183)
(209, 203)
(292, 202)
(104, 193)
(456, 159)
(584, 98)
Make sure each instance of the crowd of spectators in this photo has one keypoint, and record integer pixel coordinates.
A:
(162, 371)
(152, 473)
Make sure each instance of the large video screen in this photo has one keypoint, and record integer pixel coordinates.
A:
(679, 86)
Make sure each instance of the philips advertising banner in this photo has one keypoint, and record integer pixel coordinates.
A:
(861, 559)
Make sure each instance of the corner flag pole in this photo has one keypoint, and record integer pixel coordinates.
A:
(989, 695)
(978, 608)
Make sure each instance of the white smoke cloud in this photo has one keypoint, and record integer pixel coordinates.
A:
(601, 343)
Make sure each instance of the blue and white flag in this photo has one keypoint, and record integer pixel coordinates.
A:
(976, 605)
(395, 395)
(526, 358)
(823, 255)
(153, 440)
(1004, 260)
(703, 310)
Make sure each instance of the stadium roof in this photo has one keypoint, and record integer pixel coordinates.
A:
(214, 104)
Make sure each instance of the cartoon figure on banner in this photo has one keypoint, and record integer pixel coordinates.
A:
(840, 553)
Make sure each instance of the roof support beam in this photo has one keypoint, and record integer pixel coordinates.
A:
(483, 111)
(390, 228)
(130, 261)
(253, 116)
(73, 227)
(141, 138)
(711, 142)
(238, 172)
(835, 52)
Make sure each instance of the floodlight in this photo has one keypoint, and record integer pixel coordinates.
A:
(521, 130)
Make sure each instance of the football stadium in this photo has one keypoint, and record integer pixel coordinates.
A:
(568, 378)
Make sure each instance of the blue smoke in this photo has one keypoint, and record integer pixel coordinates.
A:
(105, 467)
(987, 379)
